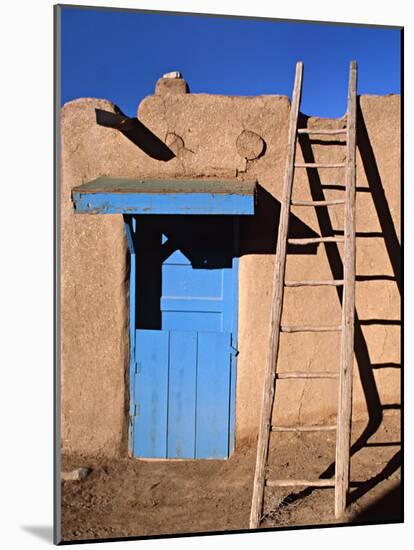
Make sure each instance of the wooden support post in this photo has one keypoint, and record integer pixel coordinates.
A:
(348, 308)
(276, 309)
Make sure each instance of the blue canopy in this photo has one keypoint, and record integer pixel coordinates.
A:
(107, 195)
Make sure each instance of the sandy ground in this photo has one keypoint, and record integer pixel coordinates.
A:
(129, 497)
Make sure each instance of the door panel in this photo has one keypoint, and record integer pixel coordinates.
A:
(188, 320)
(151, 393)
(183, 388)
(190, 295)
(213, 391)
(184, 280)
(182, 394)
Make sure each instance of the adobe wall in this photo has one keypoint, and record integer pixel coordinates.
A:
(209, 135)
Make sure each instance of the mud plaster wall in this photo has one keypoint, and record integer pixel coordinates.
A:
(204, 131)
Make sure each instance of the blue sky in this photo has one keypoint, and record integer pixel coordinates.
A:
(119, 55)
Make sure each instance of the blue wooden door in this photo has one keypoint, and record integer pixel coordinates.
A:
(185, 337)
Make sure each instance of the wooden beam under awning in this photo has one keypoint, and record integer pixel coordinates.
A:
(107, 195)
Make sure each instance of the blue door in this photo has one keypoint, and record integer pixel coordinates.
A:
(185, 330)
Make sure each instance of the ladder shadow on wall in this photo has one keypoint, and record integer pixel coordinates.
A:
(366, 367)
(387, 509)
(259, 233)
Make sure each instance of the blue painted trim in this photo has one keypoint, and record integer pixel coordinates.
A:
(235, 335)
(130, 228)
(129, 233)
(171, 203)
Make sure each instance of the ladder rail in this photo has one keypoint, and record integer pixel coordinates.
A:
(276, 309)
(342, 461)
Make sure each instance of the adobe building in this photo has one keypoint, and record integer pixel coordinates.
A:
(165, 307)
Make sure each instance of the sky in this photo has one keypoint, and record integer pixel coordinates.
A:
(119, 55)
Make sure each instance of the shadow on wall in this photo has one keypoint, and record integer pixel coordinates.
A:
(259, 233)
(366, 368)
(135, 131)
(205, 242)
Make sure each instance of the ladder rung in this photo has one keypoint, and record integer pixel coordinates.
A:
(321, 131)
(317, 240)
(292, 375)
(300, 483)
(319, 165)
(313, 328)
(303, 428)
(335, 282)
(317, 203)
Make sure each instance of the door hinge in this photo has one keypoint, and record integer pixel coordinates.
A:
(234, 351)
(136, 410)
(137, 368)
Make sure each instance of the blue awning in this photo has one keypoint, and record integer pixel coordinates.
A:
(107, 195)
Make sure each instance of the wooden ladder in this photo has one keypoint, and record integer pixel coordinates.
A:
(343, 426)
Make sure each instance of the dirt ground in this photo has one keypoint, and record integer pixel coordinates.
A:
(130, 497)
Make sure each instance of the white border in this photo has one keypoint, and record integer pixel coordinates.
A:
(26, 274)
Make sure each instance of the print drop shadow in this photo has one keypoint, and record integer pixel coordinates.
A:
(365, 366)
(42, 532)
(136, 132)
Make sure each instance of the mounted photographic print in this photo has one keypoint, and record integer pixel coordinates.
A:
(229, 285)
